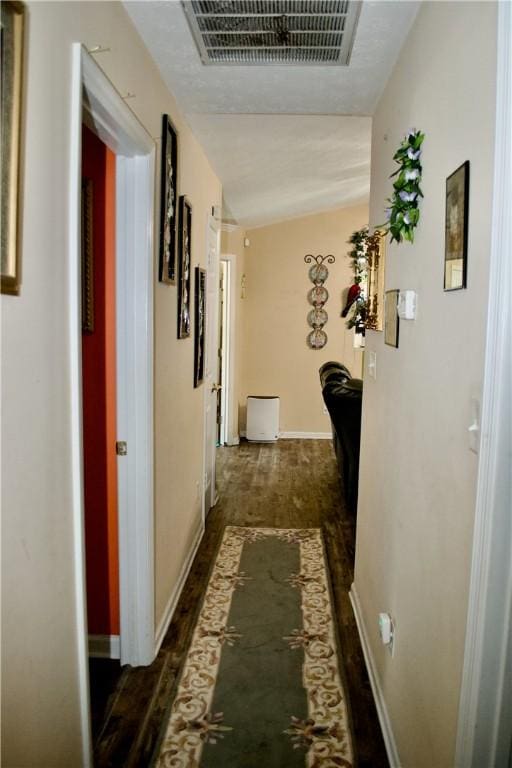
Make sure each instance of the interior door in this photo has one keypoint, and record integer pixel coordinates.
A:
(211, 388)
(222, 419)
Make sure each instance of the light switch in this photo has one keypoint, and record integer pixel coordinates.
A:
(407, 305)
(372, 364)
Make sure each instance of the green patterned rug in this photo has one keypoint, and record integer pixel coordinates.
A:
(261, 685)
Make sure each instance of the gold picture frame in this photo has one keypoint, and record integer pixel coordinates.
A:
(376, 258)
(11, 52)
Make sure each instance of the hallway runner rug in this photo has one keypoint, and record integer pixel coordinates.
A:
(261, 683)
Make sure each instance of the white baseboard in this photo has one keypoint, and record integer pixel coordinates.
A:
(306, 435)
(233, 440)
(300, 435)
(380, 703)
(163, 624)
(104, 646)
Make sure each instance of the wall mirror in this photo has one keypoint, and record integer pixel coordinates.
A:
(376, 262)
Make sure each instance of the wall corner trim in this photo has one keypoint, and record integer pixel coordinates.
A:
(484, 732)
(163, 624)
(378, 695)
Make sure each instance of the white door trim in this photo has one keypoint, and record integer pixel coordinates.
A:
(225, 374)
(75, 384)
(119, 128)
(485, 712)
(232, 435)
(134, 310)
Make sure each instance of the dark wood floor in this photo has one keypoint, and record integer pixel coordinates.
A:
(292, 483)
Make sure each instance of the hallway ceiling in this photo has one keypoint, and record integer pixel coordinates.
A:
(284, 140)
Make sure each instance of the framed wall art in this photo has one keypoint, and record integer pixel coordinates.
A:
(392, 321)
(168, 198)
(200, 325)
(456, 229)
(375, 259)
(87, 257)
(11, 50)
(184, 262)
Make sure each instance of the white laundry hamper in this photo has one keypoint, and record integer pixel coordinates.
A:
(262, 419)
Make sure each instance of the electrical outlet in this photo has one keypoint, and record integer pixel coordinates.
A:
(324, 409)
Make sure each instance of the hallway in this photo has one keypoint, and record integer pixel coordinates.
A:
(292, 483)
(235, 138)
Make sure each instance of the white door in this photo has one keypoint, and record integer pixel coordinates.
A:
(224, 356)
(211, 388)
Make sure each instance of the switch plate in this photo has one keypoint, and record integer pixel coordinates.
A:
(372, 364)
(387, 631)
(407, 305)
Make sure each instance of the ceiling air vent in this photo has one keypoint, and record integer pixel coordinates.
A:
(272, 32)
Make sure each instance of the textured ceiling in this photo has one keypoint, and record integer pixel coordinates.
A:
(282, 166)
(275, 167)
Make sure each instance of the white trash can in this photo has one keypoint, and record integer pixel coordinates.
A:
(262, 419)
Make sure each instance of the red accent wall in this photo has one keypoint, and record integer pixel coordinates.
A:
(99, 399)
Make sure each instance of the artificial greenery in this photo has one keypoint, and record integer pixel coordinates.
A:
(359, 262)
(403, 212)
(358, 254)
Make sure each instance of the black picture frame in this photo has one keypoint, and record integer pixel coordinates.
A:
(168, 199)
(184, 266)
(391, 318)
(456, 229)
(199, 324)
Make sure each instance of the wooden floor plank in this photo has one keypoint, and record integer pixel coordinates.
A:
(288, 484)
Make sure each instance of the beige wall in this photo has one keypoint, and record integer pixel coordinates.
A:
(40, 706)
(417, 476)
(275, 358)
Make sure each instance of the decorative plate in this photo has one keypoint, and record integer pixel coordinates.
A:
(318, 295)
(317, 339)
(317, 317)
(318, 274)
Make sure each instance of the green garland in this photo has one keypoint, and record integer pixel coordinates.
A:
(358, 254)
(359, 262)
(403, 213)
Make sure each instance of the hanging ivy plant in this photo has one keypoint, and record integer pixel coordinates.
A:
(358, 254)
(355, 307)
(403, 213)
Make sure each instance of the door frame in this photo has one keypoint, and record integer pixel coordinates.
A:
(225, 294)
(211, 373)
(485, 711)
(95, 99)
(232, 436)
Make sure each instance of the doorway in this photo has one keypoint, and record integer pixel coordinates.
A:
(230, 279)
(224, 352)
(99, 418)
(212, 388)
(96, 103)
(99, 397)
